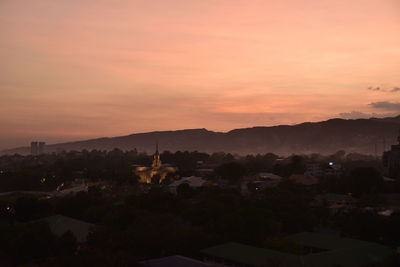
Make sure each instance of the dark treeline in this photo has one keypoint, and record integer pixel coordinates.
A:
(25, 172)
(158, 224)
(132, 225)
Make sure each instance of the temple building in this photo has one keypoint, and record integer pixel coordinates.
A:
(157, 168)
(391, 161)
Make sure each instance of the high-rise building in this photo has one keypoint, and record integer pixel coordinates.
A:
(391, 161)
(34, 148)
(42, 147)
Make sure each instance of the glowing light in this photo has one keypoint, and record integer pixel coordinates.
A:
(60, 187)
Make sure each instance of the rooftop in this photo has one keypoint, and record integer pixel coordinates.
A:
(345, 252)
(327, 241)
(176, 261)
(250, 255)
(192, 181)
(302, 179)
(60, 224)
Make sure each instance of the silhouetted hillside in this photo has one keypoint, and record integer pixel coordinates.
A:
(361, 135)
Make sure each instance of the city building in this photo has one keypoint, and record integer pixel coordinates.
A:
(42, 148)
(37, 148)
(391, 160)
(157, 169)
(34, 148)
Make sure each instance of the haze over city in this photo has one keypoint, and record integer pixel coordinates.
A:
(80, 69)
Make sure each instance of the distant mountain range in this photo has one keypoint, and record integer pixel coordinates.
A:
(366, 136)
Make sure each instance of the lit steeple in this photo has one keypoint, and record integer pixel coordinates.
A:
(156, 159)
(157, 148)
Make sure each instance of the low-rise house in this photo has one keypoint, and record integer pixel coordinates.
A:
(336, 201)
(205, 169)
(266, 176)
(76, 186)
(304, 180)
(391, 197)
(226, 184)
(320, 250)
(331, 250)
(334, 169)
(388, 180)
(389, 210)
(314, 170)
(260, 181)
(192, 181)
(60, 224)
(204, 172)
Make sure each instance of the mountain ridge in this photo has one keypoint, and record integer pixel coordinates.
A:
(366, 136)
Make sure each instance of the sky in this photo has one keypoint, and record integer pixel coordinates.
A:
(78, 69)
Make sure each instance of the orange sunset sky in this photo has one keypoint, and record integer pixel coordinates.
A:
(73, 70)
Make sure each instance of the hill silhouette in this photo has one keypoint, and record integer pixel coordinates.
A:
(360, 135)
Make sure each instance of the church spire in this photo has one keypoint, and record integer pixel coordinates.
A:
(156, 161)
(157, 148)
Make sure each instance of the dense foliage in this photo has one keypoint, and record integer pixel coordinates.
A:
(133, 225)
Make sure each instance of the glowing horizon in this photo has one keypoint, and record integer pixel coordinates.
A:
(81, 69)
